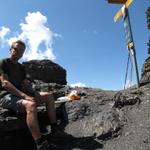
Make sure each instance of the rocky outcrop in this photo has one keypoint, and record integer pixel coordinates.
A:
(46, 71)
(100, 120)
(145, 77)
(45, 75)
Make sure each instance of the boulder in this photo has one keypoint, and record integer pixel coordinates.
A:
(14, 133)
(101, 119)
(145, 76)
(46, 71)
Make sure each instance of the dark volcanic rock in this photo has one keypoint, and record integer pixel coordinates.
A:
(109, 120)
(145, 77)
(135, 133)
(94, 115)
(122, 99)
(46, 71)
(100, 120)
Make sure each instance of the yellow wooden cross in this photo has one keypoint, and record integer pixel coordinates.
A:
(121, 11)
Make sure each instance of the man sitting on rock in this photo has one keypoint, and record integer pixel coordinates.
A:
(14, 97)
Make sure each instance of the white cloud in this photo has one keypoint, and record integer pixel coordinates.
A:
(37, 36)
(3, 32)
(12, 39)
(79, 84)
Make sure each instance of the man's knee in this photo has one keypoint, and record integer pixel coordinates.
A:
(30, 106)
(48, 96)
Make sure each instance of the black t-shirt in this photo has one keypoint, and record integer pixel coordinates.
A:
(14, 71)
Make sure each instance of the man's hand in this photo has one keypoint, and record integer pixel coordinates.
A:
(37, 97)
(27, 87)
(29, 98)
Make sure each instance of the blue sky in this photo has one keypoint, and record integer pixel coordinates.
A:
(79, 35)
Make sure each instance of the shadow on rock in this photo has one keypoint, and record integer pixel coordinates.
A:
(83, 143)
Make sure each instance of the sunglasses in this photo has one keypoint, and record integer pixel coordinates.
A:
(16, 49)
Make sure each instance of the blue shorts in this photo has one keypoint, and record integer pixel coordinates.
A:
(11, 102)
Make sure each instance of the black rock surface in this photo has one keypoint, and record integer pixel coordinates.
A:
(100, 120)
(145, 76)
(108, 120)
(46, 71)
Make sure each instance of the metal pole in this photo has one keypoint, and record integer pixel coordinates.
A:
(133, 52)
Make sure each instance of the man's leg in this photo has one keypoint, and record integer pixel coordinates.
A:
(31, 118)
(50, 105)
(33, 124)
(18, 105)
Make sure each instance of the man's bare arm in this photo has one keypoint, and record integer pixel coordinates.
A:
(28, 87)
(11, 88)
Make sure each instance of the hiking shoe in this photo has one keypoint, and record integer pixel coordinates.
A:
(43, 146)
(57, 133)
